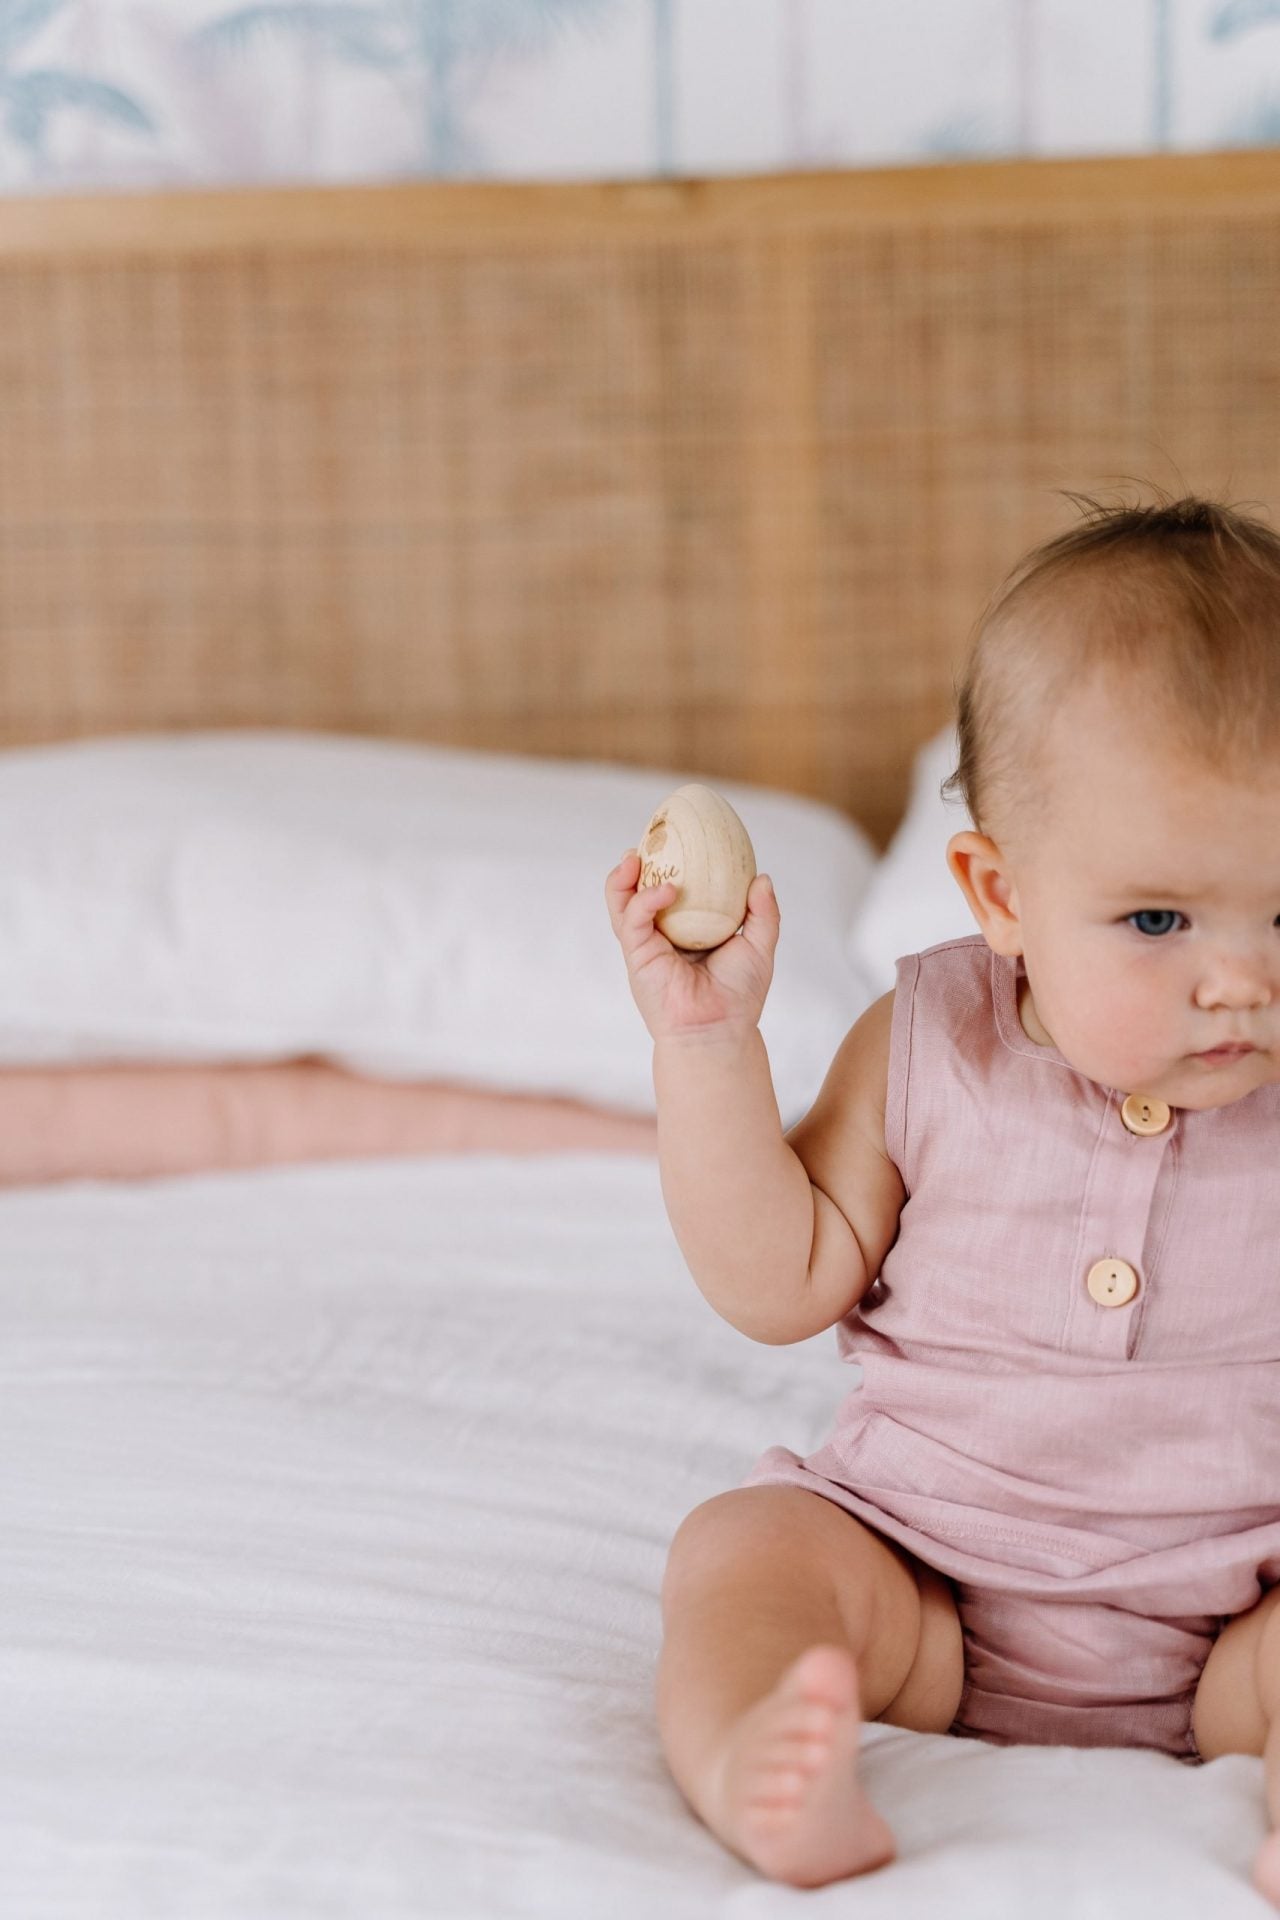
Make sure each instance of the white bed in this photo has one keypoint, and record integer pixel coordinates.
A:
(336, 1511)
(339, 1494)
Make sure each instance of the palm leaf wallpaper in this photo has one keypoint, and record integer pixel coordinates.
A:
(148, 93)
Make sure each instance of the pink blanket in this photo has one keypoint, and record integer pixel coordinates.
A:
(135, 1123)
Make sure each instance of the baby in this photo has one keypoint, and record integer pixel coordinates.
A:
(1038, 1195)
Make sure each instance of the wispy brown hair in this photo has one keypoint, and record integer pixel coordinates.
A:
(1178, 603)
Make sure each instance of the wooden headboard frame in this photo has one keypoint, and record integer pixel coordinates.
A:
(705, 475)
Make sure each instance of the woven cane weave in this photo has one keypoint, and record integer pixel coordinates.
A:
(714, 475)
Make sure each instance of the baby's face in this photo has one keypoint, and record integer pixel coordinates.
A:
(1147, 912)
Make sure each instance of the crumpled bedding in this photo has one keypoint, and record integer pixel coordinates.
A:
(335, 1506)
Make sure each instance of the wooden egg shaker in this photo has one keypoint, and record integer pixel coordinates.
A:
(697, 840)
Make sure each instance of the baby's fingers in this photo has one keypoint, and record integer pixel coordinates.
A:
(764, 918)
(620, 886)
(631, 907)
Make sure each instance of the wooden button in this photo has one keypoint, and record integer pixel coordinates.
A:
(1112, 1283)
(1142, 1114)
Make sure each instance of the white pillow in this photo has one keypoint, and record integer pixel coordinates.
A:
(914, 900)
(407, 911)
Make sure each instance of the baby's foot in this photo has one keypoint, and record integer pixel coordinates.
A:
(1266, 1868)
(786, 1794)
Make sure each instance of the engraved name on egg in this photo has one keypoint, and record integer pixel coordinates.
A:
(697, 840)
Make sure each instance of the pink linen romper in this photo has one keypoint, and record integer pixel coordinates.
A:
(1070, 1392)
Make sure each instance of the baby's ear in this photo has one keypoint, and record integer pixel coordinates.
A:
(982, 874)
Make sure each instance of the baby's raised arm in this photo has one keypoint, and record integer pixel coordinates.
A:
(782, 1233)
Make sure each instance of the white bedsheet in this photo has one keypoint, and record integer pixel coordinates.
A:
(334, 1509)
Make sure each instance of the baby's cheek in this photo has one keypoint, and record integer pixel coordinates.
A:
(1126, 1007)
(1132, 1035)
(1116, 1033)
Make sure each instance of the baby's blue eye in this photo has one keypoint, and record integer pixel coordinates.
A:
(1147, 914)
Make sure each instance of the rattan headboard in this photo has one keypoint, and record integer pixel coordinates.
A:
(713, 476)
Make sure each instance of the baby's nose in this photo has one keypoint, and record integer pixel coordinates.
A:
(1237, 981)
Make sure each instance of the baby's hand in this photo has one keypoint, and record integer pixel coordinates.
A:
(679, 993)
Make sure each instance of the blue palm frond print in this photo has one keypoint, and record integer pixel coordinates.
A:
(443, 43)
(1256, 125)
(1162, 73)
(29, 98)
(1237, 16)
(509, 26)
(21, 20)
(359, 35)
(962, 133)
(664, 85)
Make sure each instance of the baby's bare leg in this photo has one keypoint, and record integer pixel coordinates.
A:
(788, 1622)
(1237, 1710)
